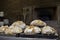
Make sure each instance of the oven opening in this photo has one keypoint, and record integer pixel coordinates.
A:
(46, 14)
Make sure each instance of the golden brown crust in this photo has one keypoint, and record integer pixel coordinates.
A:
(38, 23)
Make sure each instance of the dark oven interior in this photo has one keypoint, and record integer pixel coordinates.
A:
(46, 14)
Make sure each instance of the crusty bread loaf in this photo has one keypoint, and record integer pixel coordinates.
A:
(32, 30)
(20, 24)
(38, 23)
(48, 30)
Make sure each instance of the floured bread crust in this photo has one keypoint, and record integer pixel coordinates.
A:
(38, 23)
(32, 30)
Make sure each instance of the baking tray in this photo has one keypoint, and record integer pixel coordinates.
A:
(51, 36)
(39, 35)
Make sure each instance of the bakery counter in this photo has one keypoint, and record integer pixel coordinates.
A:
(20, 38)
